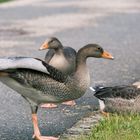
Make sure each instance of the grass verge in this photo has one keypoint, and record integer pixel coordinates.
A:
(116, 127)
(2, 1)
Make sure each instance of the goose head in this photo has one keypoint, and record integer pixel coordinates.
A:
(51, 43)
(94, 50)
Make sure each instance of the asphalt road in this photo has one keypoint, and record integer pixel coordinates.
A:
(24, 25)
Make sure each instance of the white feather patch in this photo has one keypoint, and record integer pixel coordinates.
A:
(101, 105)
(137, 84)
(91, 88)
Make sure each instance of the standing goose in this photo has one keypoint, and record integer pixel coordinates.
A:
(40, 83)
(61, 58)
(119, 99)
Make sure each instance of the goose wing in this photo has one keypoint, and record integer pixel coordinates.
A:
(22, 62)
(49, 55)
(125, 92)
(28, 63)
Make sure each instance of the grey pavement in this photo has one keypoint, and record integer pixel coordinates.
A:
(24, 25)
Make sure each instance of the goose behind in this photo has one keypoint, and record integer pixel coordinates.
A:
(62, 58)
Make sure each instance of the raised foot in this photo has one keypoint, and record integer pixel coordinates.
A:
(45, 138)
(70, 103)
(48, 106)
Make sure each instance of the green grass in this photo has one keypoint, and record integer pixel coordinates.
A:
(116, 127)
(2, 1)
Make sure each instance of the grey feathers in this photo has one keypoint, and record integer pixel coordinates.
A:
(22, 62)
(125, 92)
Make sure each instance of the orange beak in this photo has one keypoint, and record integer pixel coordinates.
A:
(107, 55)
(44, 46)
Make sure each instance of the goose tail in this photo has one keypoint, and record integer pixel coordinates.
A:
(96, 88)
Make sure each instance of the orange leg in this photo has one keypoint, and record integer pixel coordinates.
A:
(48, 105)
(37, 134)
(106, 114)
(70, 103)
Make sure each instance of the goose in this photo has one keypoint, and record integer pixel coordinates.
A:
(61, 58)
(119, 99)
(39, 83)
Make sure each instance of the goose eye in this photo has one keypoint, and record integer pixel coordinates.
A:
(51, 41)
